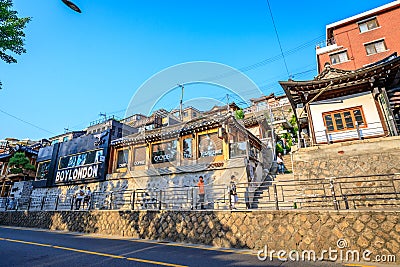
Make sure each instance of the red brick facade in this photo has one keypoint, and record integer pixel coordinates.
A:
(347, 36)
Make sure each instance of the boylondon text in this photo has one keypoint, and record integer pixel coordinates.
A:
(77, 174)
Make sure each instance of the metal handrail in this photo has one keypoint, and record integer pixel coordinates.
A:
(328, 192)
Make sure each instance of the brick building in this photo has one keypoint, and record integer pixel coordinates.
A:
(360, 40)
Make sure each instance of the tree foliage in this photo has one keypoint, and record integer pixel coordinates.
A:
(239, 114)
(20, 164)
(11, 32)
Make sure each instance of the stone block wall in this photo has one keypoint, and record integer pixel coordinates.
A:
(376, 231)
(356, 158)
(362, 169)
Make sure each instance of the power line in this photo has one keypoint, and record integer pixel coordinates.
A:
(24, 121)
(277, 36)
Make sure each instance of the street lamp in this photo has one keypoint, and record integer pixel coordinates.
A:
(72, 6)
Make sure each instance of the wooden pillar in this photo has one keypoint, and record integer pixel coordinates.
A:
(3, 187)
(310, 125)
(148, 156)
(225, 144)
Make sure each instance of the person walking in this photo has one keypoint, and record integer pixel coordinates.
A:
(232, 192)
(200, 185)
(281, 166)
(80, 194)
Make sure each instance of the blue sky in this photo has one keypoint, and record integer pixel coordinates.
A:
(78, 65)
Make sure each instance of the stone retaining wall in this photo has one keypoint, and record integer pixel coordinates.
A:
(377, 231)
(356, 158)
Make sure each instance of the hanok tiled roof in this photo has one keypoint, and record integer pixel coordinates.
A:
(192, 126)
(336, 82)
(195, 125)
(252, 119)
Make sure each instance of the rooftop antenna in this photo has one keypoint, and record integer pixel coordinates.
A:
(66, 130)
(72, 6)
(104, 115)
(181, 102)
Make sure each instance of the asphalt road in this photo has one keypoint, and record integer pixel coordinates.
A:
(35, 247)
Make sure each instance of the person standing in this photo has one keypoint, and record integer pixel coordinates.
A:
(232, 192)
(281, 166)
(79, 197)
(86, 199)
(200, 185)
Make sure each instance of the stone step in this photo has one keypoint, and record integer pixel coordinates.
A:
(287, 161)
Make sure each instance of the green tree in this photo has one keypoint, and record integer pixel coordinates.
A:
(239, 114)
(20, 164)
(11, 32)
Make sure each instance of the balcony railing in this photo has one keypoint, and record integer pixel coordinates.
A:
(325, 43)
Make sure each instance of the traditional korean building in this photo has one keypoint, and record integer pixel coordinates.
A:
(215, 147)
(8, 148)
(340, 105)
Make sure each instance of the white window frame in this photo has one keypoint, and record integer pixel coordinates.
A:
(339, 52)
(365, 21)
(375, 41)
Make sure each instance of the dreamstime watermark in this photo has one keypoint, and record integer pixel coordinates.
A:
(340, 253)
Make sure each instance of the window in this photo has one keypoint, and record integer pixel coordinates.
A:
(122, 158)
(368, 25)
(187, 148)
(185, 114)
(341, 120)
(65, 139)
(375, 47)
(85, 158)
(194, 114)
(210, 145)
(238, 149)
(54, 142)
(139, 156)
(164, 152)
(339, 57)
(43, 170)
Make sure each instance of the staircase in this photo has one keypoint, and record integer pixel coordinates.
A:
(287, 161)
(264, 196)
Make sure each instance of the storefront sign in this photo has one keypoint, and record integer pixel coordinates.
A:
(210, 153)
(76, 174)
(138, 163)
(163, 158)
(164, 152)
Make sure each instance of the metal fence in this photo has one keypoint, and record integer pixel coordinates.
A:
(357, 132)
(361, 192)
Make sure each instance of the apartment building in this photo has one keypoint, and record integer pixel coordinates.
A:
(360, 40)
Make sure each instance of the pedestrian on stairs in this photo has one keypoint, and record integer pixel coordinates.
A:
(232, 192)
(281, 166)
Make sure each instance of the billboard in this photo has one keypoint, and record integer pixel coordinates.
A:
(79, 160)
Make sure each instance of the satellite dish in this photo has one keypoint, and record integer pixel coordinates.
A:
(72, 6)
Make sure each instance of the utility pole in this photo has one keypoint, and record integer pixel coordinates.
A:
(181, 102)
(227, 103)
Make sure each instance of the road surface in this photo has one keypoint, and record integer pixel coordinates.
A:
(36, 247)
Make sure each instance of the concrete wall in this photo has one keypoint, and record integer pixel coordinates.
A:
(366, 100)
(376, 231)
